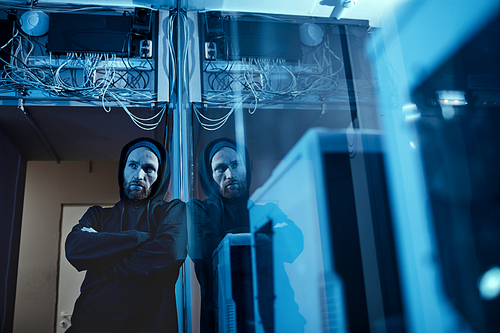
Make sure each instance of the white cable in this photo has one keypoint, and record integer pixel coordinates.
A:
(170, 50)
(276, 82)
(219, 122)
(96, 79)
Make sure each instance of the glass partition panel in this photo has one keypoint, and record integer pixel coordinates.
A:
(284, 136)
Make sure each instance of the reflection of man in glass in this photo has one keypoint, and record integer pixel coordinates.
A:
(229, 172)
(132, 252)
(224, 178)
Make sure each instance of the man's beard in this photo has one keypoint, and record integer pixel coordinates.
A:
(135, 195)
(230, 193)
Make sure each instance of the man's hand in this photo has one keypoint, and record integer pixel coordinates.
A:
(88, 229)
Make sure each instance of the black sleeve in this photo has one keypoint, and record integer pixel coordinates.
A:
(89, 250)
(203, 232)
(165, 250)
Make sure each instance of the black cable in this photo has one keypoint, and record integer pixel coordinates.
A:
(349, 76)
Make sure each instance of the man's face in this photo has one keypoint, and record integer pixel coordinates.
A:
(140, 173)
(229, 173)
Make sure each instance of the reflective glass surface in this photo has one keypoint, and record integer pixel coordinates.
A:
(369, 171)
(290, 103)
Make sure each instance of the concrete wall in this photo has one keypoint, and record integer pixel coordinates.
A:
(48, 186)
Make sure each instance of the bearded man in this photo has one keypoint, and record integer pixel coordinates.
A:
(131, 252)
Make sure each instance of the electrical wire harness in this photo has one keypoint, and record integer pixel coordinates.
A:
(252, 82)
(106, 78)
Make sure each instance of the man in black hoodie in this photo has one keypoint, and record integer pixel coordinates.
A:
(132, 252)
(224, 175)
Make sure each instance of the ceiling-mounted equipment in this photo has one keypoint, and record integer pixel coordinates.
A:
(89, 33)
(311, 34)
(142, 21)
(35, 23)
(261, 39)
(214, 25)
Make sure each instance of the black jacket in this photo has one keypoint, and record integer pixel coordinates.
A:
(133, 260)
(215, 216)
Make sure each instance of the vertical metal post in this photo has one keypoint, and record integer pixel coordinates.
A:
(182, 142)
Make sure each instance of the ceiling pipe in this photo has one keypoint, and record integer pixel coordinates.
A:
(20, 106)
(339, 8)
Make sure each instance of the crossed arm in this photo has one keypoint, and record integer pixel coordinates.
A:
(128, 253)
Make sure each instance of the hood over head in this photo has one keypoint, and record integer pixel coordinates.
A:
(207, 182)
(160, 186)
